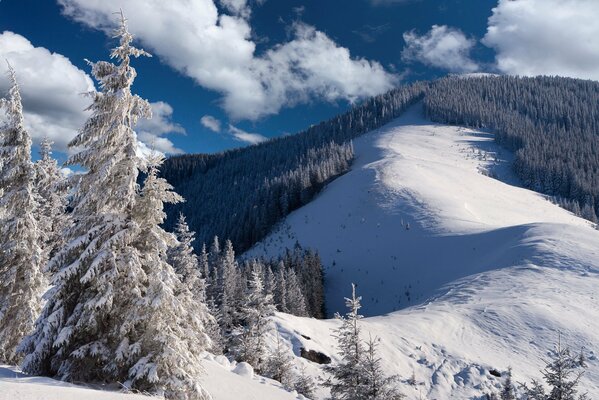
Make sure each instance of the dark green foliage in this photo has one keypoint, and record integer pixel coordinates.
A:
(551, 123)
(240, 194)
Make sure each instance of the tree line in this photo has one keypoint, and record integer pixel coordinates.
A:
(241, 194)
(551, 123)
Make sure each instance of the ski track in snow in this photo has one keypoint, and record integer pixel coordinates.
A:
(485, 277)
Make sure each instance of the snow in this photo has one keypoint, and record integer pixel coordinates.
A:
(485, 277)
(223, 380)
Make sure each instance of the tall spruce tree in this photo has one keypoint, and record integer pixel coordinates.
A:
(21, 279)
(166, 357)
(377, 385)
(562, 374)
(113, 288)
(255, 313)
(185, 262)
(52, 189)
(347, 378)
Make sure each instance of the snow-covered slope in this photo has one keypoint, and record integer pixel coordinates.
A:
(223, 380)
(485, 273)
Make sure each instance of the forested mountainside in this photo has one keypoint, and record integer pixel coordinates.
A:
(551, 123)
(240, 194)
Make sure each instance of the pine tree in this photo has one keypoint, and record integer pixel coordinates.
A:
(279, 364)
(230, 300)
(99, 281)
(52, 190)
(185, 262)
(347, 376)
(295, 301)
(255, 313)
(376, 385)
(507, 390)
(561, 376)
(304, 384)
(21, 276)
(166, 357)
(280, 292)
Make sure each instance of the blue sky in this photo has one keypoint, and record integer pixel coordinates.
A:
(260, 69)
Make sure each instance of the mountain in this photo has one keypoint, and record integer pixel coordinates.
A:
(432, 222)
(551, 124)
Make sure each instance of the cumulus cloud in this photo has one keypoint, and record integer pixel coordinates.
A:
(442, 47)
(246, 137)
(546, 37)
(218, 52)
(208, 121)
(51, 87)
(152, 131)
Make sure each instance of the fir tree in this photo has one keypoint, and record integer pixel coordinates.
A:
(99, 280)
(21, 277)
(376, 385)
(280, 292)
(52, 189)
(561, 374)
(185, 262)
(507, 390)
(347, 376)
(304, 384)
(166, 357)
(279, 364)
(295, 301)
(255, 314)
(230, 290)
(116, 311)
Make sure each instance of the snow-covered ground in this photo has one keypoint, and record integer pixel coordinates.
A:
(460, 272)
(223, 380)
(484, 273)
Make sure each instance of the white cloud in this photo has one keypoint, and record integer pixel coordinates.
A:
(151, 131)
(246, 137)
(51, 87)
(208, 121)
(442, 47)
(546, 37)
(218, 52)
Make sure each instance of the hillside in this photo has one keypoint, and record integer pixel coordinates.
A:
(485, 273)
(461, 270)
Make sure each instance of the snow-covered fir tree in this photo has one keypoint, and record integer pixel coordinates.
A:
(52, 189)
(561, 374)
(99, 279)
(304, 384)
(295, 301)
(255, 313)
(347, 378)
(166, 356)
(204, 268)
(113, 288)
(280, 292)
(230, 287)
(21, 276)
(279, 364)
(185, 262)
(376, 384)
(507, 389)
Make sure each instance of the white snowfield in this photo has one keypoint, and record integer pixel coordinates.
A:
(223, 380)
(483, 272)
(460, 273)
